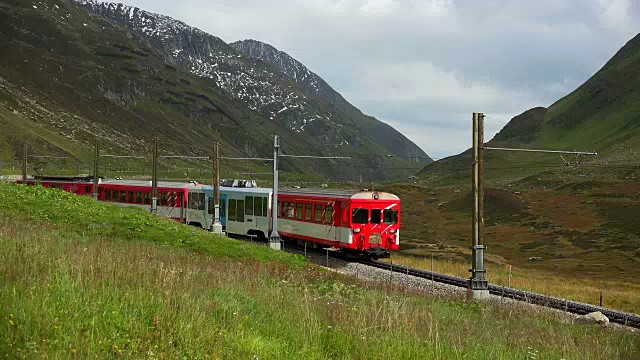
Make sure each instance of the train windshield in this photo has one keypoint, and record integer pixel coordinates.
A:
(360, 216)
(390, 216)
(375, 216)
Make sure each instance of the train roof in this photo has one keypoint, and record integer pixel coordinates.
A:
(254, 190)
(164, 184)
(344, 194)
(328, 193)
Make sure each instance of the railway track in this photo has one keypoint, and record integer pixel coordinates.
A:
(574, 307)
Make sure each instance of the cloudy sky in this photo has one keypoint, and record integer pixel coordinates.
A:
(424, 66)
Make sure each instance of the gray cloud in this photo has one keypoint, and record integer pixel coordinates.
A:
(424, 65)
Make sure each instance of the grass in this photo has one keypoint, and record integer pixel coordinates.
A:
(584, 231)
(80, 279)
(617, 295)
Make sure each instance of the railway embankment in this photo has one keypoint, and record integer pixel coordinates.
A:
(81, 279)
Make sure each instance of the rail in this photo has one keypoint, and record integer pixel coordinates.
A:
(619, 317)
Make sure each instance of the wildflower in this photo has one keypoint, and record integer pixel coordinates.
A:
(119, 351)
(11, 315)
(55, 326)
(11, 322)
(115, 346)
(19, 349)
(73, 351)
(128, 340)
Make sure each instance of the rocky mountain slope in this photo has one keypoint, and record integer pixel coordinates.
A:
(127, 75)
(601, 115)
(315, 87)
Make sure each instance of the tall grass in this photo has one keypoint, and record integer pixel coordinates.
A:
(69, 294)
(616, 294)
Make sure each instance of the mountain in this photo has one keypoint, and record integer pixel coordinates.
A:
(314, 86)
(601, 115)
(77, 70)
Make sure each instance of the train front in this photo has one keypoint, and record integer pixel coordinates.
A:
(375, 222)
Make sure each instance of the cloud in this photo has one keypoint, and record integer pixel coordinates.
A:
(425, 65)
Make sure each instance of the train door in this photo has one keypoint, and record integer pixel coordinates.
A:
(249, 217)
(223, 210)
(375, 230)
(236, 215)
(260, 214)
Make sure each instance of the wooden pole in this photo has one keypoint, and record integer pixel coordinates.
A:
(479, 286)
(600, 298)
(25, 154)
(154, 178)
(474, 183)
(96, 167)
(480, 181)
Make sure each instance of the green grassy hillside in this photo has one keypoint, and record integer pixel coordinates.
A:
(602, 115)
(80, 279)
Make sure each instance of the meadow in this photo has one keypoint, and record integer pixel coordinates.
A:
(570, 238)
(80, 279)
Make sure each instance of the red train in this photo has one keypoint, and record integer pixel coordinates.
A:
(364, 222)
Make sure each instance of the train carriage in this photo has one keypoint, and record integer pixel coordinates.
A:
(365, 222)
(360, 221)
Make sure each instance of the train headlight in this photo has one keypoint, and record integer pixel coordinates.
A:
(356, 230)
(393, 231)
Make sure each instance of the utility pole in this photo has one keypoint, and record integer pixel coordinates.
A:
(24, 164)
(216, 227)
(96, 167)
(479, 285)
(154, 178)
(274, 239)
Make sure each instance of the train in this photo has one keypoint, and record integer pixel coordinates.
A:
(352, 221)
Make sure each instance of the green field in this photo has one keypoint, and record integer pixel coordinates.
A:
(80, 279)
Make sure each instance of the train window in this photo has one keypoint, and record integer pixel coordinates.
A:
(232, 210)
(107, 195)
(87, 189)
(130, 196)
(290, 210)
(240, 211)
(138, 197)
(265, 206)
(376, 216)
(360, 216)
(123, 196)
(147, 198)
(248, 209)
(328, 214)
(307, 212)
(193, 201)
(211, 206)
(317, 213)
(390, 216)
(299, 211)
(257, 206)
(223, 209)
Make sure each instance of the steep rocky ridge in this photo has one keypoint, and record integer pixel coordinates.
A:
(314, 86)
(282, 93)
(124, 75)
